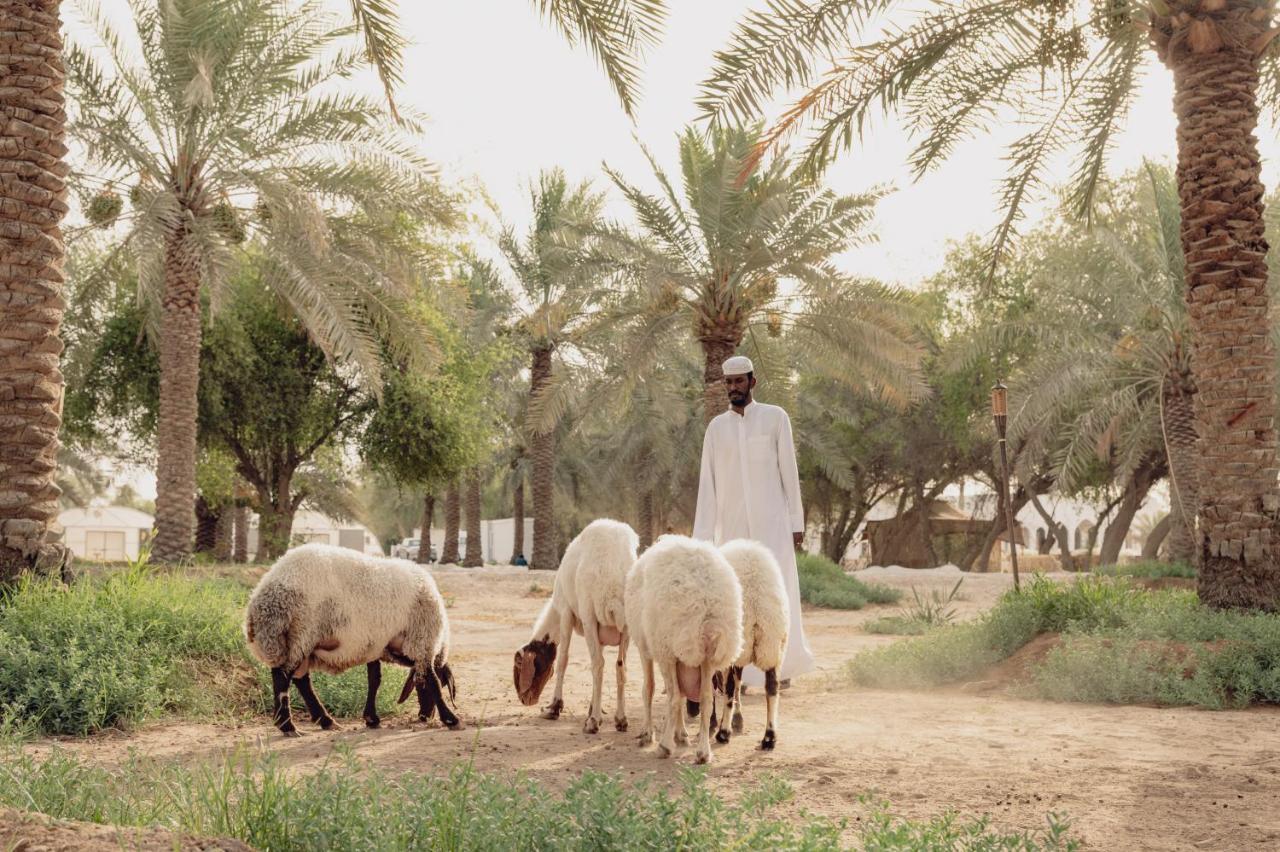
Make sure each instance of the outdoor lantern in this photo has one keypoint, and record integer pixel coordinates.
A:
(1000, 413)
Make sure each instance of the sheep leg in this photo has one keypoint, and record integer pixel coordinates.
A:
(646, 735)
(667, 743)
(681, 735)
(704, 722)
(442, 677)
(374, 672)
(620, 710)
(771, 703)
(591, 632)
(562, 666)
(730, 704)
(282, 713)
(314, 707)
(737, 700)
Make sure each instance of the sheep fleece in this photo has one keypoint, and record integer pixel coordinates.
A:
(320, 594)
(766, 614)
(592, 573)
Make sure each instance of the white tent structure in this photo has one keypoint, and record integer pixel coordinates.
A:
(311, 526)
(105, 533)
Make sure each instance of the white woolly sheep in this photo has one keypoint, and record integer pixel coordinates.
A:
(587, 599)
(331, 608)
(766, 621)
(684, 612)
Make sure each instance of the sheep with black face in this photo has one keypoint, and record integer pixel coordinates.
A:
(330, 608)
(587, 599)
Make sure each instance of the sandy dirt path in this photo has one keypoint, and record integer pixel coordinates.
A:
(1128, 777)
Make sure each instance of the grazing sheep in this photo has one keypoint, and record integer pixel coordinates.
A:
(684, 612)
(587, 599)
(331, 608)
(766, 620)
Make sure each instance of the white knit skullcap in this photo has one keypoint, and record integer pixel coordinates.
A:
(738, 365)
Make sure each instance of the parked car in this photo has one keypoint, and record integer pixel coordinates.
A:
(406, 549)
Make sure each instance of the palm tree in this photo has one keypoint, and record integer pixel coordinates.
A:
(562, 280)
(475, 553)
(452, 520)
(746, 250)
(230, 123)
(30, 286)
(1112, 381)
(953, 70)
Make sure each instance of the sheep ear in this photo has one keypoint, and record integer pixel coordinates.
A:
(408, 688)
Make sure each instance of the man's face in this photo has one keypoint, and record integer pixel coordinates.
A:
(739, 388)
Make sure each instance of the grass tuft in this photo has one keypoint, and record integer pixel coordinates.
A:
(351, 804)
(823, 583)
(1148, 569)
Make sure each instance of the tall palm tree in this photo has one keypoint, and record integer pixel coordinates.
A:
(746, 249)
(452, 520)
(954, 69)
(33, 137)
(563, 282)
(230, 122)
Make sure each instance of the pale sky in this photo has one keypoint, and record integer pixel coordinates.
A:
(506, 97)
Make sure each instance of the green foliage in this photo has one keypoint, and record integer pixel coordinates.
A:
(349, 803)
(823, 583)
(1120, 644)
(924, 613)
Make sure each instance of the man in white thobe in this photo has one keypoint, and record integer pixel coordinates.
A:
(750, 488)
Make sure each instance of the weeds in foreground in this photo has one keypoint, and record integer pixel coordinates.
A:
(925, 613)
(824, 583)
(351, 804)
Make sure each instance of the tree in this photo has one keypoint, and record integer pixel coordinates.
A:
(748, 249)
(231, 123)
(954, 70)
(563, 281)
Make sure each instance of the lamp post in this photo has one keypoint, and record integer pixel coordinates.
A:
(1000, 412)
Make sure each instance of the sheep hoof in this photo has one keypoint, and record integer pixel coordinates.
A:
(663, 751)
(591, 725)
(327, 724)
(620, 725)
(455, 725)
(702, 759)
(682, 737)
(553, 710)
(722, 736)
(372, 722)
(645, 739)
(769, 741)
(737, 723)
(292, 732)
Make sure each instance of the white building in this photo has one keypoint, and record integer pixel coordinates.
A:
(311, 526)
(105, 533)
(497, 539)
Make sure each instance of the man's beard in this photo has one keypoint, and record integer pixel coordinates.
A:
(738, 399)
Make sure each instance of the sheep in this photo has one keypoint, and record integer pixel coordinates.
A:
(587, 599)
(684, 613)
(331, 608)
(766, 620)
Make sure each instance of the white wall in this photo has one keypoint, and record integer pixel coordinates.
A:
(83, 527)
(497, 538)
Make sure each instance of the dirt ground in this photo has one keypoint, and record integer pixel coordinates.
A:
(1128, 777)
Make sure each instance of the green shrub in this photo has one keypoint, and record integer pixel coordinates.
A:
(118, 649)
(824, 583)
(897, 625)
(1149, 569)
(350, 804)
(1120, 645)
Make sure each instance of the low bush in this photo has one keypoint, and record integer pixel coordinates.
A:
(824, 583)
(120, 648)
(1119, 644)
(354, 805)
(1149, 569)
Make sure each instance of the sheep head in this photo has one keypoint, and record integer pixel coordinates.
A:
(532, 670)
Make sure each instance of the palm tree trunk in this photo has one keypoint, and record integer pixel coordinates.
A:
(517, 515)
(222, 535)
(475, 546)
(1184, 473)
(176, 423)
(240, 549)
(424, 540)
(1151, 547)
(206, 526)
(452, 513)
(544, 472)
(1223, 240)
(717, 347)
(32, 156)
(644, 516)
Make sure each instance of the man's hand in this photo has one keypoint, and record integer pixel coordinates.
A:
(798, 538)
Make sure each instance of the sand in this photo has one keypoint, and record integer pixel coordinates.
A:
(1128, 777)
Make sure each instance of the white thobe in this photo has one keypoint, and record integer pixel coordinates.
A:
(750, 488)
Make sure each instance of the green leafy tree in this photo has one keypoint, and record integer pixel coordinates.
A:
(228, 121)
(1071, 70)
(746, 250)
